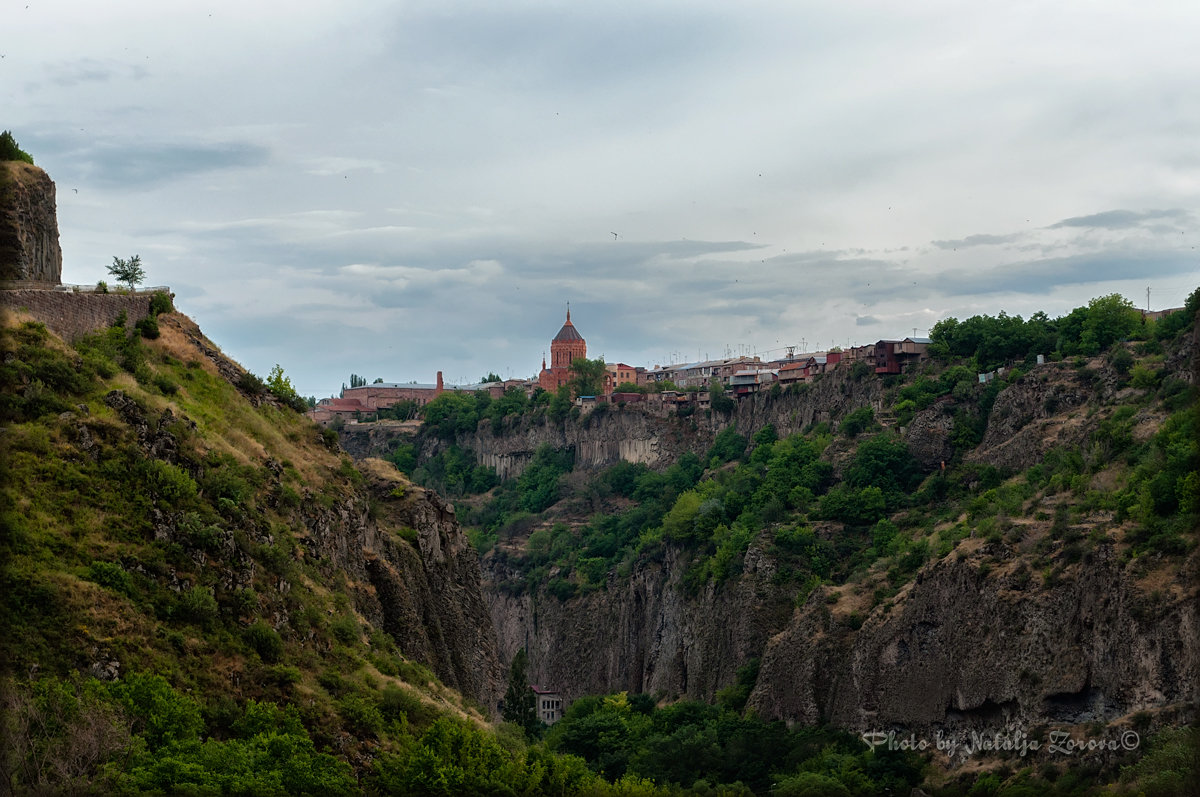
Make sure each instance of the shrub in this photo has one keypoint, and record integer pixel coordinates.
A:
(111, 575)
(265, 641)
(197, 605)
(858, 421)
(160, 302)
(148, 327)
(249, 383)
(345, 629)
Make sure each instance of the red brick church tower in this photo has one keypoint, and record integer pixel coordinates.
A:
(566, 346)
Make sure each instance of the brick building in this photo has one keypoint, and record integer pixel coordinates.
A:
(566, 346)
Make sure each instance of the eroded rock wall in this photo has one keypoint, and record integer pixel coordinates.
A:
(29, 248)
(645, 632)
(417, 577)
(965, 648)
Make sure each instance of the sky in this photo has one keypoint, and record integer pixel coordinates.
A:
(396, 188)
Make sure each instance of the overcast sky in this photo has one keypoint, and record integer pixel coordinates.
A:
(397, 188)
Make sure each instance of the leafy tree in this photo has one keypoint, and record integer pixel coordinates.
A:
(520, 703)
(278, 382)
(587, 376)
(403, 410)
(720, 402)
(9, 151)
(858, 421)
(727, 445)
(281, 387)
(492, 376)
(128, 271)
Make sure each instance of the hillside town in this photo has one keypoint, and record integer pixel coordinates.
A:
(662, 389)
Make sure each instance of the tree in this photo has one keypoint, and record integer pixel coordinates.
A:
(720, 402)
(587, 376)
(520, 703)
(128, 271)
(492, 376)
(9, 151)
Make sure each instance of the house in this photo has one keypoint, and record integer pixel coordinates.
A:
(549, 704)
(622, 374)
(328, 409)
(751, 380)
(893, 356)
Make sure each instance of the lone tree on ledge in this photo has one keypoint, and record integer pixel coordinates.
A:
(128, 271)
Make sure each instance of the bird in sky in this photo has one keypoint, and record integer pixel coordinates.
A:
(614, 235)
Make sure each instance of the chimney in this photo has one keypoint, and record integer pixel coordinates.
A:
(439, 383)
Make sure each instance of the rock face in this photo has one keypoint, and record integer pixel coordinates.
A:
(418, 577)
(644, 633)
(29, 249)
(365, 440)
(598, 440)
(963, 648)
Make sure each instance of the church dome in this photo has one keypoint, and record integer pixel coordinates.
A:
(568, 332)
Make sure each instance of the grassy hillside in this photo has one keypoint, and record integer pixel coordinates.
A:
(169, 622)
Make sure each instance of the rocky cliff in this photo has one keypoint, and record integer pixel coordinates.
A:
(417, 576)
(29, 249)
(598, 440)
(963, 647)
(645, 632)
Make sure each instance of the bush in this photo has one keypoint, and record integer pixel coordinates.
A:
(197, 605)
(160, 302)
(346, 630)
(858, 421)
(249, 383)
(265, 641)
(148, 327)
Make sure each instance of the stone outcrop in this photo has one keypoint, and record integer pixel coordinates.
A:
(963, 648)
(29, 249)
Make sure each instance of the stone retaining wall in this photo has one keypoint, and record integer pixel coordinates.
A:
(73, 315)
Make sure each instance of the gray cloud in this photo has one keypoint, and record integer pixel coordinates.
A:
(1040, 276)
(977, 240)
(1121, 219)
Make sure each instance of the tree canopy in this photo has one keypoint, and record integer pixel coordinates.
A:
(128, 271)
(10, 151)
(587, 376)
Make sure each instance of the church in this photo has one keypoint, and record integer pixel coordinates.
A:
(566, 346)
